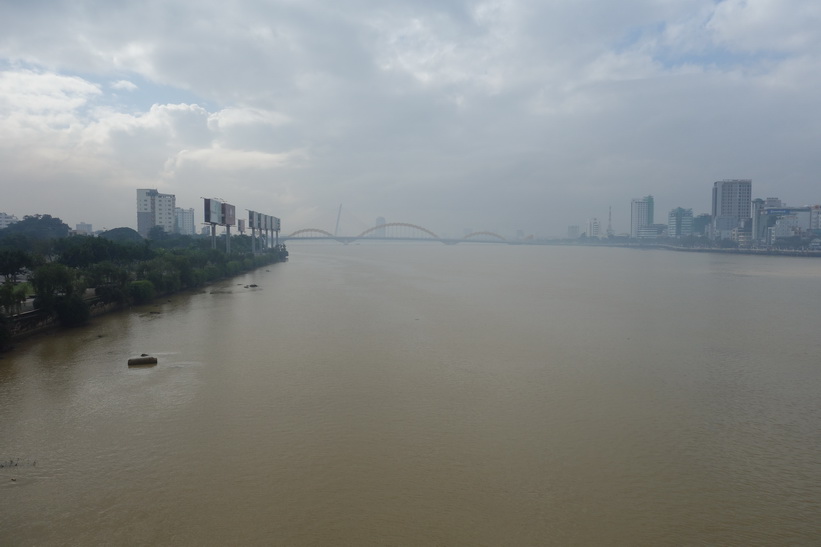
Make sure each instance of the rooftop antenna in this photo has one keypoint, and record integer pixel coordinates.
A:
(339, 214)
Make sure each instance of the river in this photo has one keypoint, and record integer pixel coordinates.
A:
(422, 394)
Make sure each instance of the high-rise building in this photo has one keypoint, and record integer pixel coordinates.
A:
(155, 209)
(84, 228)
(732, 203)
(593, 228)
(680, 222)
(759, 226)
(641, 214)
(184, 221)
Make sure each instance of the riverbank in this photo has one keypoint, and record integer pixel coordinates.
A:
(36, 322)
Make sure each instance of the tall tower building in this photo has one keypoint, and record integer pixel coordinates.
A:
(758, 225)
(641, 214)
(155, 209)
(732, 202)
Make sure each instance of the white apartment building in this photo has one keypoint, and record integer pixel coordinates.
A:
(185, 224)
(593, 228)
(155, 209)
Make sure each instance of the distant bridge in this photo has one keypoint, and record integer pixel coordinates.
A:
(396, 231)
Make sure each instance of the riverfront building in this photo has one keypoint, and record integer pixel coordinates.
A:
(732, 203)
(641, 215)
(593, 228)
(155, 209)
(701, 224)
(680, 222)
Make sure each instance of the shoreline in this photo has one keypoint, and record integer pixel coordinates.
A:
(35, 323)
(667, 247)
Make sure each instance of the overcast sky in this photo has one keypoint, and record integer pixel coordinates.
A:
(481, 115)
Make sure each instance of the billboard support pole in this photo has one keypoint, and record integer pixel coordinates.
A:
(213, 236)
(227, 240)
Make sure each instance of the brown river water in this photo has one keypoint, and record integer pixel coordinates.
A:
(422, 394)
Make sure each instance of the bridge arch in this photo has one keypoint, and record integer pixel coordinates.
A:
(309, 231)
(398, 224)
(490, 234)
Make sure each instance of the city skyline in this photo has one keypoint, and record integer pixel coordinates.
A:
(643, 207)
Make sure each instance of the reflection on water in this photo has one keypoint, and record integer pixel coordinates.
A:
(424, 394)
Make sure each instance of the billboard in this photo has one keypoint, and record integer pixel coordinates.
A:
(213, 211)
(229, 215)
(241, 224)
(262, 222)
(787, 211)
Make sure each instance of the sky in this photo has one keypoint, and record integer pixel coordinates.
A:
(500, 115)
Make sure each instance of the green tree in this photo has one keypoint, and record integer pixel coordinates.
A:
(158, 233)
(13, 262)
(122, 235)
(12, 296)
(109, 280)
(141, 292)
(51, 281)
(39, 227)
(72, 310)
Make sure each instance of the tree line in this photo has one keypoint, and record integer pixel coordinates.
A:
(67, 274)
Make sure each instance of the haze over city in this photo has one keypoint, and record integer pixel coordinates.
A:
(493, 115)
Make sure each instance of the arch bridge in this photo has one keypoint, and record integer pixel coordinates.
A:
(395, 231)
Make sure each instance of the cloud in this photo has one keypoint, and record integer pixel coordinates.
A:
(767, 25)
(483, 112)
(124, 85)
